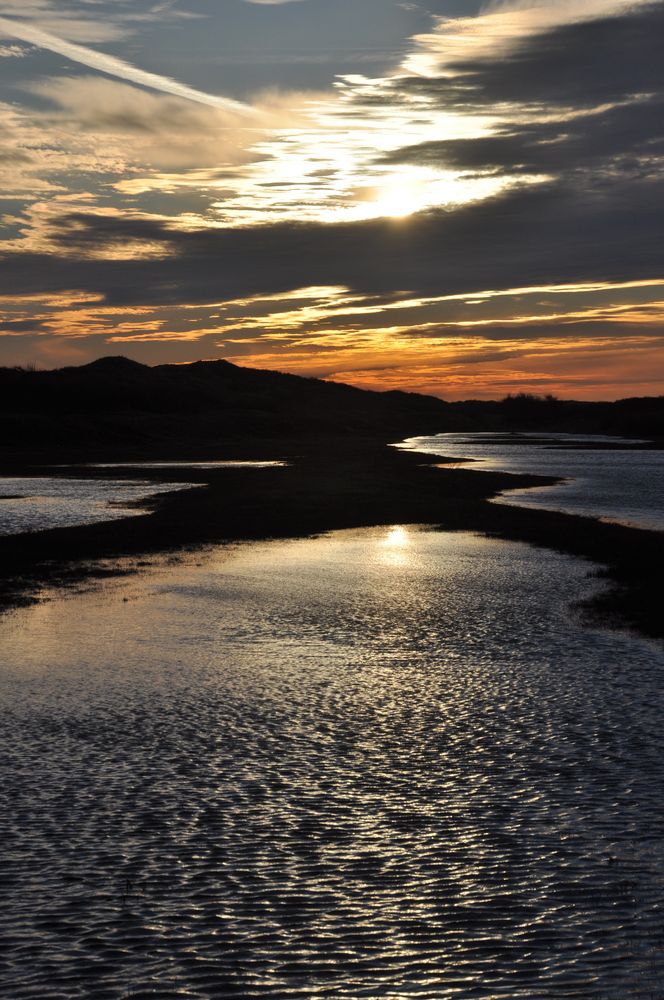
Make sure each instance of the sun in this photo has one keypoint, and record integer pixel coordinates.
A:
(398, 197)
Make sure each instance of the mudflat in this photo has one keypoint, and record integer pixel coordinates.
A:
(333, 483)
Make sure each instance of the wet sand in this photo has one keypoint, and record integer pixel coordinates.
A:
(332, 484)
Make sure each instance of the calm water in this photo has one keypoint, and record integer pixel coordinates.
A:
(379, 763)
(38, 503)
(41, 502)
(620, 484)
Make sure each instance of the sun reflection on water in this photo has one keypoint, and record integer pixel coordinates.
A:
(394, 547)
(397, 537)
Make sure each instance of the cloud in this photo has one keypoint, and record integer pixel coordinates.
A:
(13, 51)
(113, 66)
(73, 22)
(545, 235)
(95, 132)
(154, 130)
(88, 22)
(502, 28)
(577, 62)
(581, 104)
(558, 112)
(29, 165)
(626, 138)
(18, 327)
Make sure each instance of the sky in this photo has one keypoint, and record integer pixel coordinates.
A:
(448, 197)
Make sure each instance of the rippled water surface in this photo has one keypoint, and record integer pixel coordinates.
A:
(41, 502)
(620, 484)
(379, 763)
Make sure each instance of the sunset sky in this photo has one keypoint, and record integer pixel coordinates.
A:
(450, 197)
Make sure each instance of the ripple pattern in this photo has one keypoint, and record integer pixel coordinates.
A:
(42, 502)
(375, 764)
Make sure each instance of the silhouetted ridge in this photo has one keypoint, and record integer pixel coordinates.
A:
(116, 405)
(112, 364)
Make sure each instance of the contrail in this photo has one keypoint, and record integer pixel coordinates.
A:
(117, 67)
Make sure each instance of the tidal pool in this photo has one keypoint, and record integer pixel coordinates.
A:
(36, 503)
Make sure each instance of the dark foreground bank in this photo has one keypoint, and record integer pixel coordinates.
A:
(339, 483)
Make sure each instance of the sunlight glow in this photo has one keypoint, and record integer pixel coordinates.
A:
(396, 538)
(393, 549)
(397, 199)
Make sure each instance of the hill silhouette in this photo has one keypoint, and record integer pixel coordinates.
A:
(120, 404)
(116, 406)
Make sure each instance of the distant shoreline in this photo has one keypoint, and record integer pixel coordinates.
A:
(331, 484)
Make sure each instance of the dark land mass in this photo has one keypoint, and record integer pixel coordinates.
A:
(340, 474)
(115, 407)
